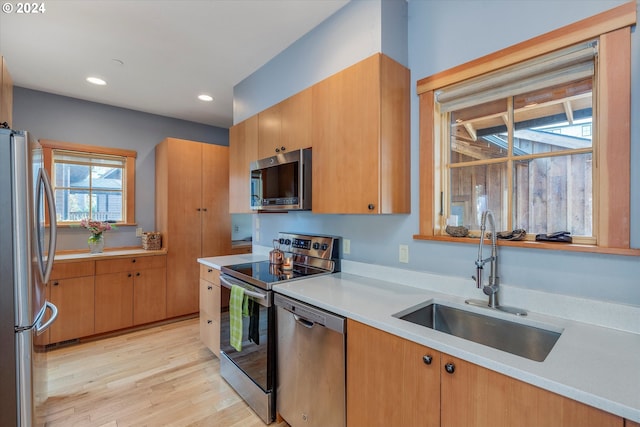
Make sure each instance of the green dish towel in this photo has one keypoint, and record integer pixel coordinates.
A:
(238, 307)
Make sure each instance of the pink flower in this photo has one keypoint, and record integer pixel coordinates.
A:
(95, 227)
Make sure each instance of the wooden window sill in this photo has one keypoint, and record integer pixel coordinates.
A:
(537, 245)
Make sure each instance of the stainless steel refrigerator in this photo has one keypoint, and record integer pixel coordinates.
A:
(27, 247)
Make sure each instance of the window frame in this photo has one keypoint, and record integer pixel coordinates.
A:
(48, 146)
(612, 29)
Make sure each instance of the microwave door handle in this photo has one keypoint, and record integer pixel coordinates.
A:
(227, 283)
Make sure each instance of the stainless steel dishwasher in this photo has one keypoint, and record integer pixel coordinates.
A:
(310, 365)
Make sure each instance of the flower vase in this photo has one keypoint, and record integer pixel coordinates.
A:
(96, 243)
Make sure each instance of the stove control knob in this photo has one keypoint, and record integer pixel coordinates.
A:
(281, 241)
(287, 242)
(316, 246)
(325, 246)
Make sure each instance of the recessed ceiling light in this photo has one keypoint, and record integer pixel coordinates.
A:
(206, 98)
(96, 81)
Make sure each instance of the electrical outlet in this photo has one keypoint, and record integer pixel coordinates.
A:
(139, 232)
(404, 253)
(346, 246)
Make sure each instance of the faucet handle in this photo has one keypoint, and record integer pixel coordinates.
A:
(478, 277)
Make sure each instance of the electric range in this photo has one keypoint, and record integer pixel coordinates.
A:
(250, 369)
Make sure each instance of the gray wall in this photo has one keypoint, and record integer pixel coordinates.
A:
(61, 118)
(441, 34)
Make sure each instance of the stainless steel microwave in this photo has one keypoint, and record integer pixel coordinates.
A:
(282, 182)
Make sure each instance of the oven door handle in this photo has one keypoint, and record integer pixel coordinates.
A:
(228, 282)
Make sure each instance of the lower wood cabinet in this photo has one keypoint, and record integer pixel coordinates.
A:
(508, 402)
(392, 381)
(210, 308)
(71, 289)
(388, 383)
(129, 291)
(96, 295)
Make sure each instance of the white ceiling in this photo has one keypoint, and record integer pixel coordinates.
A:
(171, 50)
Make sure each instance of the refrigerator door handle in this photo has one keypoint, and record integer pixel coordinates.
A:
(54, 314)
(51, 206)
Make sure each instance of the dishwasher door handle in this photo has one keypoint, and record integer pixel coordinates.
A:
(304, 322)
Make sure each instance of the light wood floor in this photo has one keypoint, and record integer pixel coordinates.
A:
(161, 376)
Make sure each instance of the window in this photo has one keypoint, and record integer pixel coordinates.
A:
(91, 182)
(514, 145)
(539, 133)
(88, 186)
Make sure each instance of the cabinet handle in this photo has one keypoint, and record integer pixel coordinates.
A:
(209, 270)
(129, 275)
(56, 283)
(371, 206)
(138, 274)
(427, 359)
(133, 260)
(204, 209)
(198, 209)
(209, 321)
(209, 288)
(450, 368)
(283, 148)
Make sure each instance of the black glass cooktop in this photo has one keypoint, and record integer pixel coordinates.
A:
(264, 274)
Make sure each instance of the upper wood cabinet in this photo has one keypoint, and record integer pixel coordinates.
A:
(285, 126)
(356, 121)
(243, 149)
(391, 380)
(192, 213)
(361, 145)
(6, 94)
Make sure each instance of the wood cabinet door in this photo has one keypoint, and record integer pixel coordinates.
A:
(285, 126)
(296, 115)
(129, 264)
(215, 217)
(421, 386)
(6, 94)
(388, 382)
(243, 149)
(270, 131)
(346, 150)
(210, 315)
(149, 295)
(113, 301)
(473, 395)
(210, 274)
(184, 233)
(74, 299)
(65, 270)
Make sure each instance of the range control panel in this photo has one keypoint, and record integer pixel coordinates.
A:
(323, 247)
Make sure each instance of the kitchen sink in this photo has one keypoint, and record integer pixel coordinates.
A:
(531, 342)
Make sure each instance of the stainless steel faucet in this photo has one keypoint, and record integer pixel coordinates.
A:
(494, 281)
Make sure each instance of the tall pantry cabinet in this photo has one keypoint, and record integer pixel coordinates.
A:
(192, 213)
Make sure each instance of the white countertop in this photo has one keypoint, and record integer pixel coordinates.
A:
(592, 364)
(108, 253)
